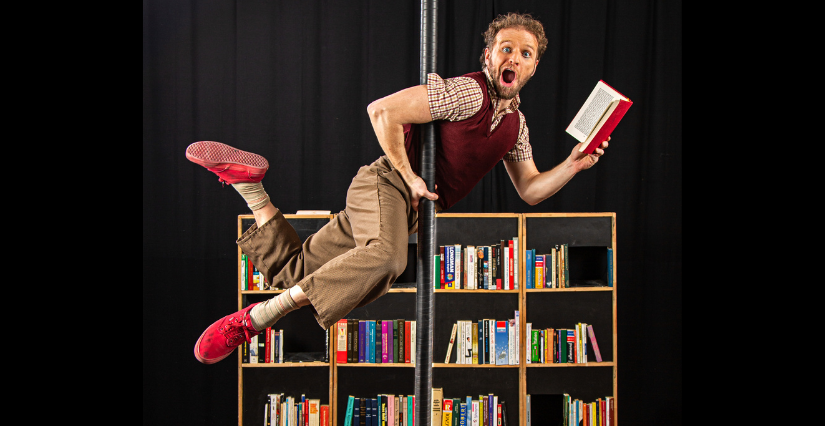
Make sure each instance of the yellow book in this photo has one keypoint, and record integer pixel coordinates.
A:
(447, 413)
(474, 328)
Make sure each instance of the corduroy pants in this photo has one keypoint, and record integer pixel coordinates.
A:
(353, 259)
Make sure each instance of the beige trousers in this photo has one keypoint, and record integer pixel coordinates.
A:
(352, 260)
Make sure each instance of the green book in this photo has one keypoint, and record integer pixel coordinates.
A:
(456, 411)
(244, 274)
(348, 417)
(395, 341)
(562, 345)
(534, 346)
(437, 271)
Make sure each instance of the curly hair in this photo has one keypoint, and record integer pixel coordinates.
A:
(511, 20)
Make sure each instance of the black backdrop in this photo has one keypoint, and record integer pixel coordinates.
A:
(291, 80)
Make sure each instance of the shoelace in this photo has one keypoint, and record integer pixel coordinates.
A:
(232, 331)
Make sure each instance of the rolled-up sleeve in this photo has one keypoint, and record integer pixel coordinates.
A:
(453, 99)
(522, 150)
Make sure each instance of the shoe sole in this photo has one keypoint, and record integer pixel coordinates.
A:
(197, 349)
(213, 155)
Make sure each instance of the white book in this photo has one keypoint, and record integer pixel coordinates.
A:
(471, 267)
(468, 342)
(511, 342)
(528, 410)
(253, 349)
(505, 282)
(459, 341)
(314, 412)
(492, 341)
(281, 346)
(475, 413)
(266, 414)
(452, 342)
(518, 338)
(516, 265)
(458, 266)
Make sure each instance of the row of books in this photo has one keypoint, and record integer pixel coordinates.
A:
(251, 277)
(375, 341)
(381, 410)
(561, 345)
(486, 341)
(552, 270)
(282, 410)
(266, 347)
(562, 410)
(491, 267)
(487, 410)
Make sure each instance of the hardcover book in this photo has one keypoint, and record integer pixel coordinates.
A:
(341, 349)
(598, 116)
(593, 341)
(502, 336)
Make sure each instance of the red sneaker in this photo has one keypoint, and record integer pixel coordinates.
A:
(220, 339)
(230, 164)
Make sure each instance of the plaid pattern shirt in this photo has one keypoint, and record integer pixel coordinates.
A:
(459, 98)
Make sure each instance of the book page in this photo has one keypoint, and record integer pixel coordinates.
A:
(592, 111)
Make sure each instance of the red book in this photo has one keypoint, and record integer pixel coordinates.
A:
(600, 114)
(341, 342)
(510, 248)
(268, 344)
(593, 341)
(324, 421)
(441, 249)
(407, 341)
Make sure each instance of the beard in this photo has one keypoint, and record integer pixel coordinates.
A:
(506, 92)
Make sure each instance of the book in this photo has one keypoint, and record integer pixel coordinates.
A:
(539, 268)
(609, 267)
(447, 413)
(349, 412)
(449, 267)
(529, 267)
(437, 271)
(324, 417)
(593, 341)
(314, 412)
(438, 396)
(452, 340)
(598, 116)
(502, 338)
(407, 341)
(341, 347)
(314, 212)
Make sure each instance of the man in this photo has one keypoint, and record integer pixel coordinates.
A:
(356, 257)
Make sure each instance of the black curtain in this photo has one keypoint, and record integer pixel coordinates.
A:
(291, 80)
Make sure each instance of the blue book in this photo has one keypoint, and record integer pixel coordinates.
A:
(370, 356)
(449, 267)
(481, 341)
(530, 266)
(609, 267)
(362, 334)
(502, 347)
(348, 416)
(463, 415)
(486, 267)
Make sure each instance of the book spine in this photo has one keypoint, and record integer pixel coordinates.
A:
(449, 267)
(595, 345)
(530, 267)
(442, 267)
(267, 344)
(528, 357)
(502, 338)
(513, 265)
(539, 269)
(609, 267)
(452, 341)
(341, 348)
(437, 271)
(362, 334)
(384, 344)
(395, 336)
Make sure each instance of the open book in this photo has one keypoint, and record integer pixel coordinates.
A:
(599, 115)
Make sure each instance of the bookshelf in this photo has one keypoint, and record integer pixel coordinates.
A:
(589, 301)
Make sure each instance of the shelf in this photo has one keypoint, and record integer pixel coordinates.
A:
(553, 290)
(570, 364)
(435, 365)
(285, 364)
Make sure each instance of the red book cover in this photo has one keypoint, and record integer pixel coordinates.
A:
(441, 249)
(268, 345)
(324, 420)
(341, 345)
(602, 95)
(593, 341)
(250, 271)
(408, 342)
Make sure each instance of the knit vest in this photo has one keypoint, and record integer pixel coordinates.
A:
(465, 150)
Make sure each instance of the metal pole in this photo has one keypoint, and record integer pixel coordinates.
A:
(424, 300)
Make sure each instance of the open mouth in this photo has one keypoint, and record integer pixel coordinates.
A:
(508, 76)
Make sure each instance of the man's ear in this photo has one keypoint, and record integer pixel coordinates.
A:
(535, 68)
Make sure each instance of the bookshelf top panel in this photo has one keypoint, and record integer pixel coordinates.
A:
(577, 231)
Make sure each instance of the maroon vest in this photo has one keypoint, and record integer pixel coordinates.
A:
(466, 150)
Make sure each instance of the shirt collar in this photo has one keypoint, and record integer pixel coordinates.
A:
(514, 104)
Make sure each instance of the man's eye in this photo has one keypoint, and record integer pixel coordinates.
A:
(526, 54)
(506, 50)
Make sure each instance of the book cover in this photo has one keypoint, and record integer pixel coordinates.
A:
(314, 412)
(474, 419)
(324, 418)
(512, 262)
(518, 338)
(474, 344)
(385, 348)
(593, 341)
(609, 267)
(458, 265)
(468, 342)
(530, 267)
(341, 348)
(539, 269)
(407, 341)
(471, 267)
(447, 413)
(267, 334)
(394, 351)
(362, 334)
(598, 116)
(528, 338)
(350, 408)
(462, 414)
(437, 271)
(437, 399)
(449, 267)
(452, 341)
(502, 337)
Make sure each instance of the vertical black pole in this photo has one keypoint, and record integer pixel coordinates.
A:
(424, 300)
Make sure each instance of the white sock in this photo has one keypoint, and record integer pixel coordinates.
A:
(266, 314)
(253, 193)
